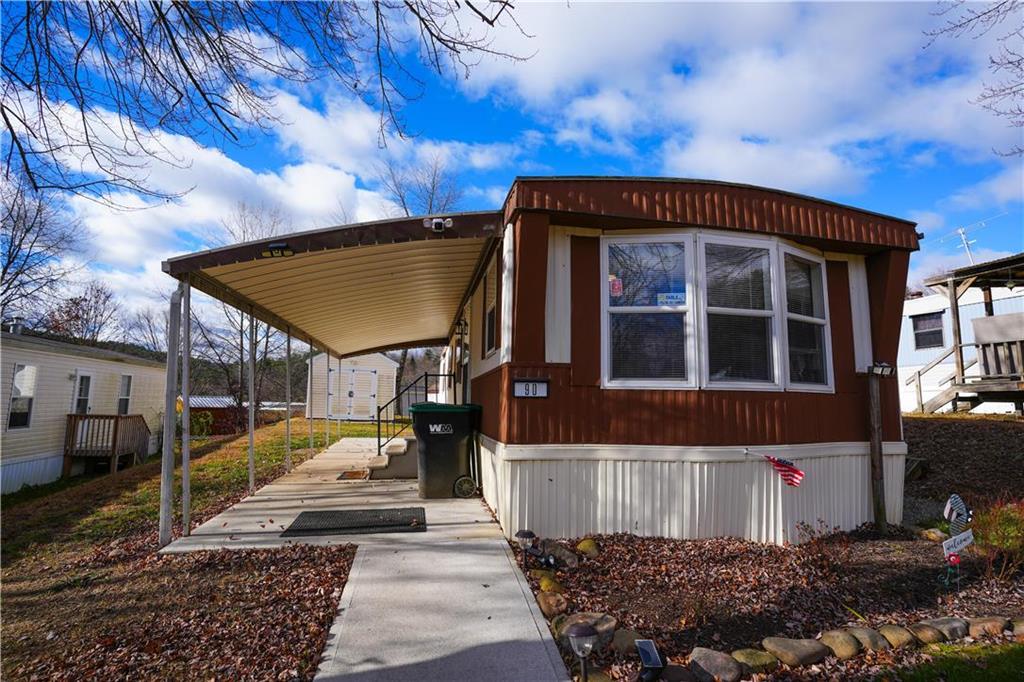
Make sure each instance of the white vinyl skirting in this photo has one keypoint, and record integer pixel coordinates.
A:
(16, 473)
(680, 492)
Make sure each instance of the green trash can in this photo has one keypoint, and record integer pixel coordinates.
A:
(445, 437)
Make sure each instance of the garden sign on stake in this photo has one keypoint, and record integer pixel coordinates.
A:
(959, 515)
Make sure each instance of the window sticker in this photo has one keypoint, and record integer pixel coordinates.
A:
(672, 298)
(614, 286)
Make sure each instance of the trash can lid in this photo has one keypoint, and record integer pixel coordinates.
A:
(443, 407)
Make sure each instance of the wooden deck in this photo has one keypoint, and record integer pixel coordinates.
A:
(105, 436)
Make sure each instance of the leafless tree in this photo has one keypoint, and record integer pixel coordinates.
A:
(222, 339)
(147, 327)
(89, 87)
(90, 316)
(36, 239)
(426, 189)
(1004, 95)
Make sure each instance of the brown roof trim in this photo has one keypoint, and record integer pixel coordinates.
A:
(710, 203)
(474, 224)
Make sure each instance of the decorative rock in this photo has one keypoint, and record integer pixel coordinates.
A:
(551, 604)
(1018, 627)
(988, 625)
(602, 622)
(951, 628)
(934, 534)
(551, 585)
(755, 661)
(843, 644)
(598, 676)
(708, 665)
(565, 557)
(538, 573)
(870, 639)
(677, 673)
(588, 548)
(623, 641)
(796, 651)
(926, 633)
(896, 636)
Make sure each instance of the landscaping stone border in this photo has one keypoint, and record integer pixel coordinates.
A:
(707, 664)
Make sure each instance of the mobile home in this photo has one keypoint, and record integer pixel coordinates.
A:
(637, 345)
(66, 407)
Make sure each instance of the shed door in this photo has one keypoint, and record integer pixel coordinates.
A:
(357, 389)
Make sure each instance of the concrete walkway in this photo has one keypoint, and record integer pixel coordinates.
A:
(447, 604)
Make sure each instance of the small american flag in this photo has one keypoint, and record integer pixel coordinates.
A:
(790, 474)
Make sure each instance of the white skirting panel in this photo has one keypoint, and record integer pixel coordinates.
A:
(570, 491)
(29, 471)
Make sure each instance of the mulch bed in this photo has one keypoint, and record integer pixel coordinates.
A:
(979, 458)
(238, 614)
(727, 594)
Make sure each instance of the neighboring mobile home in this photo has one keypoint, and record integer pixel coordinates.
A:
(65, 407)
(926, 333)
(358, 386)
(636, 344)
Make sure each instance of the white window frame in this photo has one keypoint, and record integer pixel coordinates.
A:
(490, 350)
(10, 400)
(697, 352)
(779, 366)
(119, 398)
(690, 328)
(829, 385)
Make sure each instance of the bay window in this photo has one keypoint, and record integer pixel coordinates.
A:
(711, 310)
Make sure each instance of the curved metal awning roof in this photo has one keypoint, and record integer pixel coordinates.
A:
(352, 289)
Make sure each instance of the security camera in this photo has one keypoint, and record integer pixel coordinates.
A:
(437, 224)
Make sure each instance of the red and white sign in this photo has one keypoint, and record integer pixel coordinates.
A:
(614, 286)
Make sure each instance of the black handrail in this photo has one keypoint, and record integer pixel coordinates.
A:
(393, 417)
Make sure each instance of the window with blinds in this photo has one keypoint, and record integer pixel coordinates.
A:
(805, 320)
(23, 394)
(928, 331)
(740, 325)
(491, 307)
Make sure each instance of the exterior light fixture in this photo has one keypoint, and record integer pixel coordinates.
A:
(276, 250)
(582, 638)
(525, 539)
(651, 662)
(882, 369)
(437, 224)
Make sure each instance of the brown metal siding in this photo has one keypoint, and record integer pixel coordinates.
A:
(712, 204)
(529, 285)
(580, 411)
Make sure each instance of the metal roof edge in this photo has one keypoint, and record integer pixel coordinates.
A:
(80, 350)
(701, 181)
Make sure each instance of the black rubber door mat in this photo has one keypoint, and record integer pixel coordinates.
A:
(358, 522)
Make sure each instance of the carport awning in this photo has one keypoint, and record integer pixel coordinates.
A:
(352, 289)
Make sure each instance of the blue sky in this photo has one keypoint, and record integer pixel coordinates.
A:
(842, 101)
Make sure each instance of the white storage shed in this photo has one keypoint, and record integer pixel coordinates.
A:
(358, 386)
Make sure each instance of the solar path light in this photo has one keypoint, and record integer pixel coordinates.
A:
(525, 539)
(582, 638)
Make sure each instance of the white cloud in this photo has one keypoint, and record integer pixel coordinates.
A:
(1001, 189)
(928, 221)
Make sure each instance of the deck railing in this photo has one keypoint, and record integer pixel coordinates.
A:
(106, 435)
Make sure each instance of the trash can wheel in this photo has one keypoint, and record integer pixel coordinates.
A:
(464, 487)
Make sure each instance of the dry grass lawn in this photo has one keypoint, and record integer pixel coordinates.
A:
(83, 589)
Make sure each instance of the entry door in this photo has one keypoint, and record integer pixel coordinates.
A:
(361, 392)
(83, 394)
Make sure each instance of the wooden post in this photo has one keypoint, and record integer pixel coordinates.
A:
(170, 401)
(113, 445)
(252, 403)
(920, 395)
(877, 465)
(986, 295)
(186, 411)
(954, 314)
(288, 400)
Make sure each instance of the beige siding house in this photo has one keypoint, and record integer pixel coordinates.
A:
(359, 385)
(43, 381)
